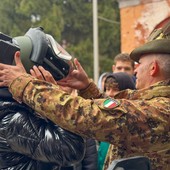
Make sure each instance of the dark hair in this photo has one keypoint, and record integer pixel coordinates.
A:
(123, 79)
(124, 57)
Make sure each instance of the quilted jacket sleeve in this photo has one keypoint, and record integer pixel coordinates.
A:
(38, 138)
(90, 159)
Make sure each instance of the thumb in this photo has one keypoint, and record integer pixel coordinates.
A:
(78, 65)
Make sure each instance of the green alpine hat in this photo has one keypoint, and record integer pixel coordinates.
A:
(158, 42)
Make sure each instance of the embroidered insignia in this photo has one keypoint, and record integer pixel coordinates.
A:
(110, 103)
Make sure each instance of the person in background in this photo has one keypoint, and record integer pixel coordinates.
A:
(136, 121)
(123, 63)
(89, 161)
(29, 141)
(114, 83)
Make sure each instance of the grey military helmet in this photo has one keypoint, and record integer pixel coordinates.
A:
(36, 48)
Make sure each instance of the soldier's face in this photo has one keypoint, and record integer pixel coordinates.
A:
(142, 72)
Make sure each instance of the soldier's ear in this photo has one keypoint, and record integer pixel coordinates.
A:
(154, 68)
(136, 65)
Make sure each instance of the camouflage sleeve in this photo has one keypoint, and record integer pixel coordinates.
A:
(16, 87)
(104, 119)
(91, 92)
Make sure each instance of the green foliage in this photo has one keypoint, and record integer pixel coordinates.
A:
(71, 23)
(8, 16)
(19, 15)
(109, 33)
(78, 21)
(83, 51)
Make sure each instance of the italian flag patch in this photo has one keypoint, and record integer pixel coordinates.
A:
(110, 103)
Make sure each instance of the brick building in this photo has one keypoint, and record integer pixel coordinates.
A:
(139, 18)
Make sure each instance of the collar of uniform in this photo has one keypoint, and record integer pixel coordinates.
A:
(160, 89)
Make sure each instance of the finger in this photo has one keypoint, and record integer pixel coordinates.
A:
(72, 66)
(37, 73)
(44, 72)
(3, 66)
(32, 73)
(51, 80)
(47, 75)
(64, 84)
(1, 76)
(3, 83)
(78, 65)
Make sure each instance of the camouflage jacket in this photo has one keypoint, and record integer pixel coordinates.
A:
(135, 122)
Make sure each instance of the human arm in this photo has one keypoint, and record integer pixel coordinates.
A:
(15, 71)
(76, 79)
(91, 118)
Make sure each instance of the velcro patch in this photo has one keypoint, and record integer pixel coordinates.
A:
(110, 103)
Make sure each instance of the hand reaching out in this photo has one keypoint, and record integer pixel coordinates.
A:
(77, 78)
(42, 74)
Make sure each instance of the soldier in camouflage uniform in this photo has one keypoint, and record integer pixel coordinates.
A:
(136, 122)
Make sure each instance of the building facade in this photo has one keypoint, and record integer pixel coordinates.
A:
(138, 19)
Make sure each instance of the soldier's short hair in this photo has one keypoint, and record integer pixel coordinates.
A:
(164, 63)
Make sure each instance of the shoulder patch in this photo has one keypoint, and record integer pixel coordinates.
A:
(110, 103)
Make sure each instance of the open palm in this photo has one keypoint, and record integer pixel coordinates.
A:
(77, 78)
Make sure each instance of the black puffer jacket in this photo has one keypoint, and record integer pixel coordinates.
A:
(30, 142)
(89, 161)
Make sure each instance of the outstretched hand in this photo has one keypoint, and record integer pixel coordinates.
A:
(77, 78)
(10, 72)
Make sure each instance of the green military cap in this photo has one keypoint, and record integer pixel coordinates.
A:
(158, 42)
